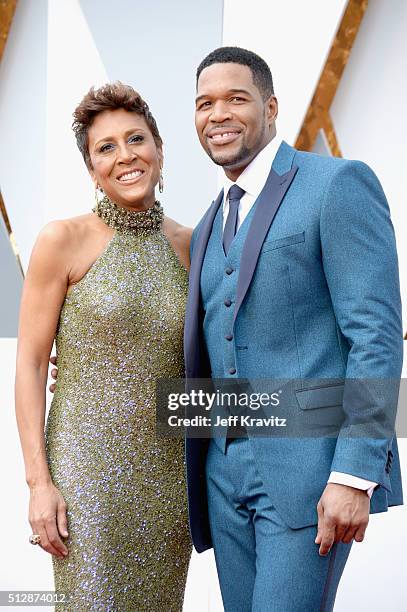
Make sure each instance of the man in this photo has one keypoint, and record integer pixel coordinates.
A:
(293, 276)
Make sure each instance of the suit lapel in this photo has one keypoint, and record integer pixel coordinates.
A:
(268, 203)
(192, 319)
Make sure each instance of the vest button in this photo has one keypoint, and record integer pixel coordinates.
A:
(228, 302)
(229, 270)
(232, 370)
(229, 337)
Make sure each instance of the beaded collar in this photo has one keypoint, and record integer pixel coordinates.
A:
(124, 220)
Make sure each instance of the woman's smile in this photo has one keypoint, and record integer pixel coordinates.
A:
(130, 176)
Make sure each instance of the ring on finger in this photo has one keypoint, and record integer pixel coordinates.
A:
(34, 538)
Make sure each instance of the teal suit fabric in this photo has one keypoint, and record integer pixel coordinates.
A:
(263, 564)
(315, 297)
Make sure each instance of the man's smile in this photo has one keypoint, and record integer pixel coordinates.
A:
(221, 136)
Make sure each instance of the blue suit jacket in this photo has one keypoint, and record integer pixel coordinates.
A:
(319, 275)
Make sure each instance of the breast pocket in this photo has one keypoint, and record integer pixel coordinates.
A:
(279, 243)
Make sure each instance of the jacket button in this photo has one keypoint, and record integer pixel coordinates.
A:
(232, 370)
(227, 302)
(229, 270)
(229, 337)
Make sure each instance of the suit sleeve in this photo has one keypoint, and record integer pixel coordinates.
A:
(360, 263)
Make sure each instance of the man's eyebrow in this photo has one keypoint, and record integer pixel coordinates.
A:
(201, 97)
(244, 91)
(230, 91)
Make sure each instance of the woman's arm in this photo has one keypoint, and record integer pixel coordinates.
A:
(44, 292)
(180, 238)
(185, 241)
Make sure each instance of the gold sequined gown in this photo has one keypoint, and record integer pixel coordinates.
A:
(120, 329)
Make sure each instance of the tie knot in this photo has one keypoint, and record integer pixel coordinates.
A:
(235, 193)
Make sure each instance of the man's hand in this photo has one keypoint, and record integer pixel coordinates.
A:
(343, 515)
(54, 373)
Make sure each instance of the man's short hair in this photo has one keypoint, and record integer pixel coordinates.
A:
(261, 73)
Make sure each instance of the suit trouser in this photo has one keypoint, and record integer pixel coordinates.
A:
(263, 565)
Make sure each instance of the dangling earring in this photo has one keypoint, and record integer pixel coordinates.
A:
(161, 182)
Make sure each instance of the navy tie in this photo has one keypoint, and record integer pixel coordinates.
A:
(235, 193)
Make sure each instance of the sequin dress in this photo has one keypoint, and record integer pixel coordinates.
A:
(120, 329)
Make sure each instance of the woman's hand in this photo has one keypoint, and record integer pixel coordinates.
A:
(54, 373)
(47, 517)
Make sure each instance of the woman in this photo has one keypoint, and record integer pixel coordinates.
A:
(107, 499)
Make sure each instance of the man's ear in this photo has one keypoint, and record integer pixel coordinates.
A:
(272, 108)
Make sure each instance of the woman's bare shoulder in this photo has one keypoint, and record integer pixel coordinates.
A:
(180, 237)
(178, 232)
(64, 232)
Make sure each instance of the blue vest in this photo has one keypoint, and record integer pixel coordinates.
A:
(218, 293)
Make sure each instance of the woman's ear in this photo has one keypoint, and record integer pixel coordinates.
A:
(160, 157)
(93, 177)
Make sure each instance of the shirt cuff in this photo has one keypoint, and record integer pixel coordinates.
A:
(353, 481)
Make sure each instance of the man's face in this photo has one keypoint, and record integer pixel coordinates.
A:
(232, 120)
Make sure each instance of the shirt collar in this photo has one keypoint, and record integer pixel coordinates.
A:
(253, 178)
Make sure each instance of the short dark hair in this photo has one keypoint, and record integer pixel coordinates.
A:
(261, 73)
(110, 96)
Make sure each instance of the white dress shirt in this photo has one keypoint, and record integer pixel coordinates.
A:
(252, 180)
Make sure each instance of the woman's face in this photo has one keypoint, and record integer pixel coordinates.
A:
(125, 159)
